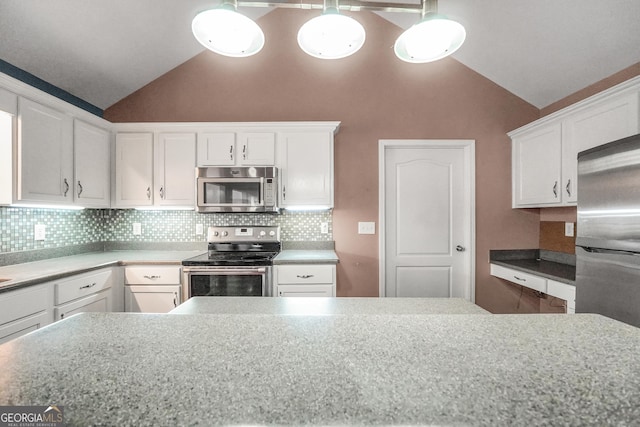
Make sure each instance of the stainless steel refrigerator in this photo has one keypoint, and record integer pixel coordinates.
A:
(608, 232)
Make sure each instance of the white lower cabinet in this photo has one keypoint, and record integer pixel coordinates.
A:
(84, 293)
(23, 311)
(152, 288)
(305, 280)
(151, 299)
(547, 286)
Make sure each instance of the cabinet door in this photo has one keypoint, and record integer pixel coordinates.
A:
(216, 149)
(23, 326)
(307, 169)
(306, 291)
(256, 149)
(175, 161)
(91, 165)
(96, 303)
(151, 299)
(45, 138)
(25, 302)
(536, 162)
(134, 168)
(597, 124)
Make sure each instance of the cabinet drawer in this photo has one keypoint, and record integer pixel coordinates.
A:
(561, 290)
(152, 275)
(98, 303)
(523, 279)
(305, 274)
(82, 285)
(23, 326)
(22, 303)
(306, 291)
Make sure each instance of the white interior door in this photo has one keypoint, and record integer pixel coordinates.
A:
(427, 218)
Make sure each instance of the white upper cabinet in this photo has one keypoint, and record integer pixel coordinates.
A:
(306, 169)
(536, 159)
(91, 146)
(545, 152)
(174, 169)
(155, 169)
(45, 149)
(236, 149)
(134, 169)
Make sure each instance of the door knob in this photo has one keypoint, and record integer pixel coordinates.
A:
(460, 248)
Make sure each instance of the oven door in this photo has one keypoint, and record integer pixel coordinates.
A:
(229, 281)
(230, 194)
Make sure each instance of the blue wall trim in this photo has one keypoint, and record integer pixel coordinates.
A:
(30, 79)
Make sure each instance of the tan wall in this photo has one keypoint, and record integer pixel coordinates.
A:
(375, 96)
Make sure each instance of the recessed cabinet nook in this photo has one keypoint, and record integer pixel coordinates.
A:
(544, 153)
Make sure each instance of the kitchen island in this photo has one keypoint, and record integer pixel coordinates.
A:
(362, 369)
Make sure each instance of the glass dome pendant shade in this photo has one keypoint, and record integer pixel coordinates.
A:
(227, 32)
(331, 35)
(433, 38)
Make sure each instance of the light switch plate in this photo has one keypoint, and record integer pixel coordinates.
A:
(366, 228)
(324, 228)
(137, 229)
(569, 229)
(199, 229)
(40, 231)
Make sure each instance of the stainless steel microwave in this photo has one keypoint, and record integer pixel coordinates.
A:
(241, 189)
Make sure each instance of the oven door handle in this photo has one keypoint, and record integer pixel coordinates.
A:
(225, 271)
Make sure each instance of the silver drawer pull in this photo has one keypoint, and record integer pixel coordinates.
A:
(88, 286)
(304, 276)
(519, 278)
(151, 277)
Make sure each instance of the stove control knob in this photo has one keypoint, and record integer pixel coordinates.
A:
(272, 233)
(263, 233)
(225, 233)
(216, 233)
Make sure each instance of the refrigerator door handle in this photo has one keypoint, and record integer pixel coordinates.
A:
(608, 251)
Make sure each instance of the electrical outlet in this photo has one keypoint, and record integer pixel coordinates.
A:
(40, 231)
(324, 228)
(366, 228)
(137, 229)
(569, 229)
(199, 229)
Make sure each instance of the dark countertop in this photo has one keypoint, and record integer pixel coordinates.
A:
(551, 265)
(460, 369)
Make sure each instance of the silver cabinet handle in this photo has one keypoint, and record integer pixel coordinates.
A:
(231, 152)
(149, 193)
(555, 189)
(244, 152)
(519, 278)
(88, 286)
(304, 276)
(284, 192)
(175, 299)
(460, 248)
(568, 187)
(162, 192)
(66, 187)
(79, 188)
(151, 277)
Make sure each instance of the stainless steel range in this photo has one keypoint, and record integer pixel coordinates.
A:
(239, 262)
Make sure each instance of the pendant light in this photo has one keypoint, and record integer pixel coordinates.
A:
(433, 38)
(226, 31)
(331, 35)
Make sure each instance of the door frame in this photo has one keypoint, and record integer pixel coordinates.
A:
(468, 147)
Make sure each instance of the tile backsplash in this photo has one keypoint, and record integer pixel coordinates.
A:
(70, 227)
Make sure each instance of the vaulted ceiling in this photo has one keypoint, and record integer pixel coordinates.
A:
(101, 52)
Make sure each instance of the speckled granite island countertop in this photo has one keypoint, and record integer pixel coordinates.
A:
(326, 306)
(173, 370)
(31, 273)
